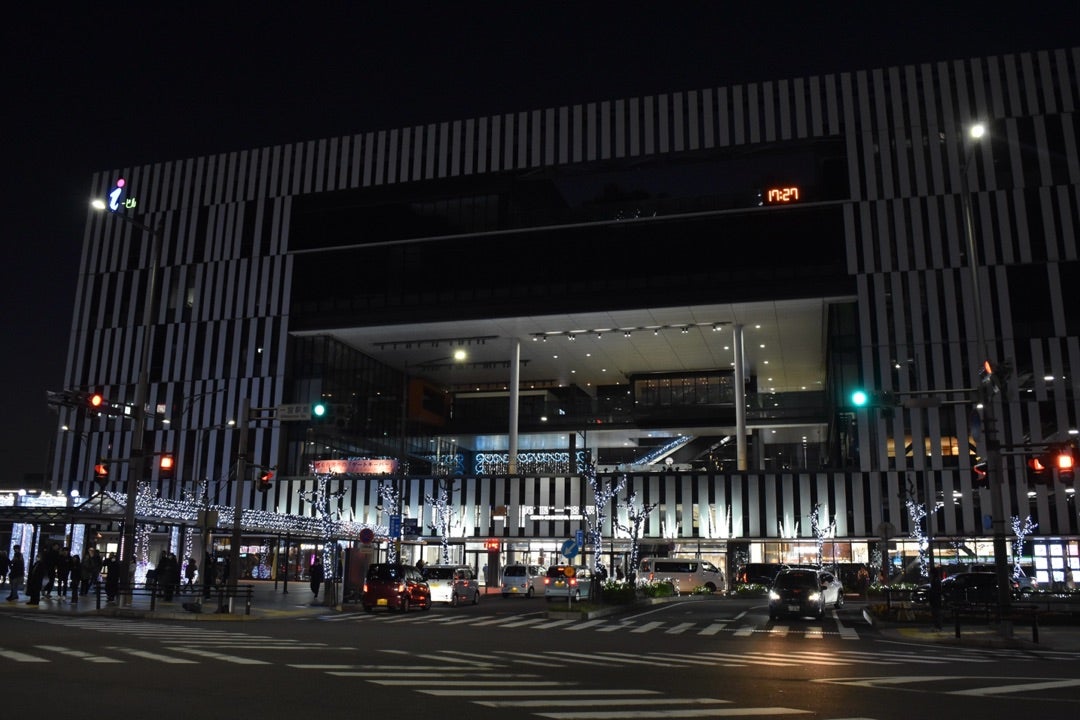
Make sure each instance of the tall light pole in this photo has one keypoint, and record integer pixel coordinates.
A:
(995, 475)
(137, 464)
(458, 356)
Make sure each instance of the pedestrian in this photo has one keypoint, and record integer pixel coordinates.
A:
(316, 575)
(111, 568)
(189, 573)
(209, 574)
(63, 571)
(4, 564)
(166, 575)
(74, 575)
(16, 573)
(91, 571)
(36, 581)
(51, 562)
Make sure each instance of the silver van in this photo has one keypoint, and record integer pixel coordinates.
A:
(523, 580)
(688, 574)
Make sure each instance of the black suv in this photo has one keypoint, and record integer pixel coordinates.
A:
(395, 587)
(968, 587)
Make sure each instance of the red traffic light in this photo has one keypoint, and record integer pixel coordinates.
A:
(101, 471)
(1065, 463)
(166, 466)
(266, 480)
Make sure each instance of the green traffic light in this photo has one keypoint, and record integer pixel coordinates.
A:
(318, 410)
(860, 398)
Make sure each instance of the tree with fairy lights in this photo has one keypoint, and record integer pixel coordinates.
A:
(443, 517)
(916, 512)
(320, 499)
(1021, 530)
(821, 531)
(388, 491)
(602, 493)
(636, 516)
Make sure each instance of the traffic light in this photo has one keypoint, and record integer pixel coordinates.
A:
(1064, 458)
(860, 398)
(319, 410)
(980, 479)
(95, 402)
(166, 466)
(1038, 470)
(101, 472)
(266, 480)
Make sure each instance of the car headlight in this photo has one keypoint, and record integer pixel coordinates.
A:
(814, 597)
(773, 595)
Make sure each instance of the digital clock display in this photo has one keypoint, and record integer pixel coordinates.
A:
(780, 195)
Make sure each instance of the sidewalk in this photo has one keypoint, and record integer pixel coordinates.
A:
(270, 601)
(1023, 636)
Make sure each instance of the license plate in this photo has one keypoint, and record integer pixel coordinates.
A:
(793, 608)
(381, 601)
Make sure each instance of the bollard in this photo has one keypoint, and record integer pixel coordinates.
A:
(247, 605)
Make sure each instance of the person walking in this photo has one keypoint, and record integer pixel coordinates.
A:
(189, 573)
(16, 573)
(316, 574)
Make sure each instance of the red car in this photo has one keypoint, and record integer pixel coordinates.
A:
(395, 587)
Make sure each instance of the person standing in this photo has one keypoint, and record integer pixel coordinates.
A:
(316, 574)
(16, 573)
(91, 571)
(38, 577)
(74, 575)
(111, 567)
(209, 574)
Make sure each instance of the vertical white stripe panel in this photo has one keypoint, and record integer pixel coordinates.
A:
(431, 150)
(772, 490)
(677, 121)
(605, 130)
(784, 96)
(550, 137)
(650, 126)
(590, 132)
(620, 128)
(768, 105)
(470, 147)
(708, 119)
(693, 130)
(455, 148)
(723, 117)
(482, 146)
(663, 124)
(536, 138)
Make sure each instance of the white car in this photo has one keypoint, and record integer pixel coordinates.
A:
(567, 581)
(453, 584)
(522, 580)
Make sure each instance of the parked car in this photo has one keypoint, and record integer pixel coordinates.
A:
(567, 581)
(801, 592)
(394, 586)
(523, 580)
(452, 584)
(967, 587)
(687, 573)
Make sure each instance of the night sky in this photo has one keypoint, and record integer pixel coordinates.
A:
(109, 85)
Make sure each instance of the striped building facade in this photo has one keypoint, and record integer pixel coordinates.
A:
(222, 322)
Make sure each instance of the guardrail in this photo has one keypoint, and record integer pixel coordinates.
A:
(225, 595)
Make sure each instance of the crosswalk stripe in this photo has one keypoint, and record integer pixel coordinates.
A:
(218, 656)
(146, 655)
(21, 657)
(89, 657)
(647, 627)
(605, 701)
(680, 628)
(674, 713)
(713, 629)
(555, 624)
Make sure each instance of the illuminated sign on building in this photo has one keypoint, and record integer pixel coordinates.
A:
(356, 466)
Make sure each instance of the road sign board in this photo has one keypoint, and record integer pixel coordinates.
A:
(570, 548)
(395, 526)
(367, 535)
(293, 411)
(581, 538)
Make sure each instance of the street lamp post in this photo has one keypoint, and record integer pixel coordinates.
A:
(994, 474)
(138, 452)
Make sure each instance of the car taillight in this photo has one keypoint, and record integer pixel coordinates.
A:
(547, 581)
(573, 582)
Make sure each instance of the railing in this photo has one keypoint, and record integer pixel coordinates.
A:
(153, 591)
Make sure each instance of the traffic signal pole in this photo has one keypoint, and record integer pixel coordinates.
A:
(241, 473)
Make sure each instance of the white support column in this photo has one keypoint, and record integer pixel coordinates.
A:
(740, 397)
(515, 383)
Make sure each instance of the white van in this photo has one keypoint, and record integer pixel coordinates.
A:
(687, 573)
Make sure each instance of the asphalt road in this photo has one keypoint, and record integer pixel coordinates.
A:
(719, 657)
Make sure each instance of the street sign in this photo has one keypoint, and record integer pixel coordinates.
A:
(411, 527)
(367, 535)
(581, 538)
(395, 526)
(569, 548)
(293, 411)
